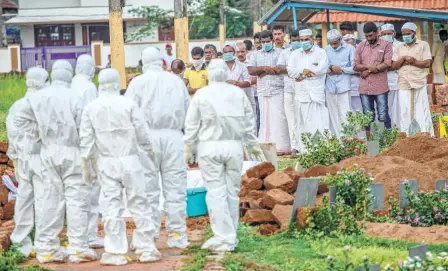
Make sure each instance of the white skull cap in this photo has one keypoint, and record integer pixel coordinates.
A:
(305, 32)
(386, 27)
(333, 35)
(410, 26)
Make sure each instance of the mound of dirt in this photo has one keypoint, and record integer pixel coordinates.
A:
(421, 148)
(431, 235)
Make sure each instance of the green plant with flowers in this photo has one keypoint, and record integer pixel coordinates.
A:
(347, 264)
(385, 137)
(353, 189)
(431, 263)
(424, 209)
(356, 122)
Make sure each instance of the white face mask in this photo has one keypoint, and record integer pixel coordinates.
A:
(198, 63)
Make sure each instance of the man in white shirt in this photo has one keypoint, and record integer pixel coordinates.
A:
(388, 34)
(308, 66)
(241, 54)
(168, 57)
(438, 54)
(289, 85)
(273, 124)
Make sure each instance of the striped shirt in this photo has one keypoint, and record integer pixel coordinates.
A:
(269, 85)
(374, 54)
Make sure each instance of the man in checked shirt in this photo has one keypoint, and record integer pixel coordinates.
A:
(372, 59)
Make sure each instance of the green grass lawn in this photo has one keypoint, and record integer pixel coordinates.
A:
(12, 88)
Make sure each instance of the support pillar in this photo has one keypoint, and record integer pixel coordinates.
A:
(419, 29)
(222, 28)
(430, 34)
(324, 34)
(117, 39)
(181, 33)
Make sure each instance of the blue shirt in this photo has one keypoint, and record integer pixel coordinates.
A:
(344, 58)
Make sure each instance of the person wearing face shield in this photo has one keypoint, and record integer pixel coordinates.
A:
(411, 59)
(24, 148)
(164, 100)
(196, 77)
(341, 58)
(289, 102)
(113, 131)
(270, 83)
(219, 122)
(308, 66)
(57, 112)
(239, 75)
(83, 85)
(388, 34)
(355, 100)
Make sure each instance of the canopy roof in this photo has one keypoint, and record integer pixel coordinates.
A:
(310, 11)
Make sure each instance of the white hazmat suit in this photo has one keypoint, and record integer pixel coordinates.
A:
(219, 121)
(82, 84)
(24, 147)
(164, 100)
(57, 111)
(113, 127)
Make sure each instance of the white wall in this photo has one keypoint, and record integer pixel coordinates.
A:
(27, 35)
(78, 34)
(29, 4)
(132, 27)
(5, 63)
(165, 4)
(94, 3)
(63, 11)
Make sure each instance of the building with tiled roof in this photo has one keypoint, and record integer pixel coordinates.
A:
(341, 16)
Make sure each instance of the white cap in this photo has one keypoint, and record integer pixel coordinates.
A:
(348, 37)
(109, 81)
(231, 44)
(305, 32)
(410, 26)
(386, 27)
(333, 35)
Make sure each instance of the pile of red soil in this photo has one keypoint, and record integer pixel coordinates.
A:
(431, 235)
(419, 157)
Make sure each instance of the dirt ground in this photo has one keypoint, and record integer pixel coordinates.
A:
(171, 258)
(431, 235)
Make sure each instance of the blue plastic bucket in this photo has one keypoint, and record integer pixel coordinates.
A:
(196, 204)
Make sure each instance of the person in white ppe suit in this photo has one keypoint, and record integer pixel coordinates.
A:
(219, 121)
(83, 85)
(57, 111)
(308, 66)
(341, 58)
(113, 131)
(24, 149)
(164, 100)
(388, 34)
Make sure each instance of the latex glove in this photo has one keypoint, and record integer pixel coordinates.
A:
(254, 150)
(85, 171)
(94, 167)
(188, 155)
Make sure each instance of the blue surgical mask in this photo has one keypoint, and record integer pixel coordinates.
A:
(388, 38)
(408, 39)
(229, 56)
(306, 45)
(268, 46)
(296, 45)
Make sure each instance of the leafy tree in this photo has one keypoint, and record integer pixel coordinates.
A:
(155, 17)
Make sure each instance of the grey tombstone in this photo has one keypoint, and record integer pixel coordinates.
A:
(403, 200)
(380, 127)
(372, 267)
(377, 190)
(414, 128)
(332, 192)
(300, 168)
(305, 194)
(419, 251)
(373, 148)
(440, 185)
(362, 135)
(316, 137)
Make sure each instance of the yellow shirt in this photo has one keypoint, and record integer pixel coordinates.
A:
(197, 79)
